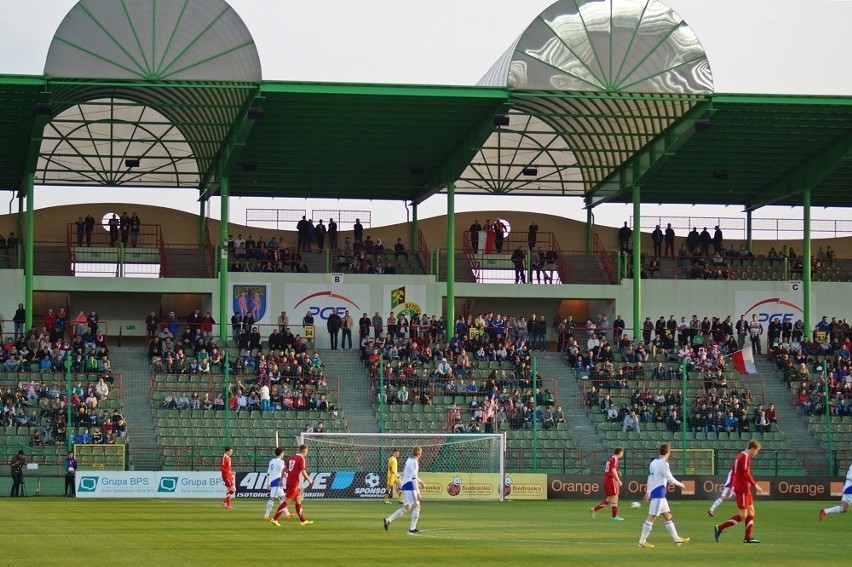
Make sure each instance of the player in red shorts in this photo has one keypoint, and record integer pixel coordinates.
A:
(295, 471)
(228, 477)
(742, 481)
(612, 486)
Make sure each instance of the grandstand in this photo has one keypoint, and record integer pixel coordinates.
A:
(215, 126)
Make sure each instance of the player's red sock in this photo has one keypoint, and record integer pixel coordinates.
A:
(732, 521)
(300, 512)
(600, 505)
(280, 510)
(614, 510)
(748, 526)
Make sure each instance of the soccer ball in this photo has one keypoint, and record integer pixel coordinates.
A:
(372, 480)
(71, 470)
(635, 505)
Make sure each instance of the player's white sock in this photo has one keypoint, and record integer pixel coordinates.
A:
(646, 531)
(834, 510)
(415, 515)
(670, 527)
(285, 511)
(269, 504)
(716, 504)
(400, 512)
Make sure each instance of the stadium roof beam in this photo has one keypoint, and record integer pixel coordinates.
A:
(650, 157)
(807, 174)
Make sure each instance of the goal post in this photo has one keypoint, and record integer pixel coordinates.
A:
(453, 466)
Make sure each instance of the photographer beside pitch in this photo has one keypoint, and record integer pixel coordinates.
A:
(70, 471)
(17, 465)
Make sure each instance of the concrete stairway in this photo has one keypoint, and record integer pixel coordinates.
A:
(583, 430)
(355, 396)
(145, 450)
(793, 424)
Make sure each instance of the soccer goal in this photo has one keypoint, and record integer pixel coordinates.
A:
(453, 466)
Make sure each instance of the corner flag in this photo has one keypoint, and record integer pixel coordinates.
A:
(743, 362)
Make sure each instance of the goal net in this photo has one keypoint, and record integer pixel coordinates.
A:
(453, 466)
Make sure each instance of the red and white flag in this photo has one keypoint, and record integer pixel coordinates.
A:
(743, 362)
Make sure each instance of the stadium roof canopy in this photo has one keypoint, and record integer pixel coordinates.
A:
(594, 97)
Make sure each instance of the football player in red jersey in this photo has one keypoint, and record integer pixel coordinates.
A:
(612, 485)
(295, 471)
(228, 477)
(742, 482)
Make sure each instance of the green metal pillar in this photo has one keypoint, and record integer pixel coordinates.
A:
(683, 377)
(202, 223)
(637, 260)
(590, 231)
(806, 259)
(69, 435)
(226, 386)
(748, 230)
(414, 244)
(534, 370)
(224, 297)
(381, 395)
(829, 441)
(451, 255)
(29, 232)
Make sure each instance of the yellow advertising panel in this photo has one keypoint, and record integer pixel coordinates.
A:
(461, 486)
(525, 486)
(483, 486)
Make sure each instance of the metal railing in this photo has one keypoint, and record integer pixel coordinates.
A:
(761, 228)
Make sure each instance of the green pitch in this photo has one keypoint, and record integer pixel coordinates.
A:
(160, 533)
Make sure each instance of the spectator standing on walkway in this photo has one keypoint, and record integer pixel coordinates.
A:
(657, 238)
(669, 239)
(518, 257)
(333, 325)
(532, 235)
(624, 238)
(332, 234)
(755, 329)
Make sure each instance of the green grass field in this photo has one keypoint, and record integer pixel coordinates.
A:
(158, 533)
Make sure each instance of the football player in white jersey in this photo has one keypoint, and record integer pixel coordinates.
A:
(273, 476)
(411, 485)
(845, 499)
(727, 494)
(659, 477)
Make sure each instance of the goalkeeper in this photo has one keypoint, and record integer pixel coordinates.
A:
(393, 479)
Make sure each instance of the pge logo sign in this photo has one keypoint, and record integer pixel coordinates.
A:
(338, 304)
(774, 309)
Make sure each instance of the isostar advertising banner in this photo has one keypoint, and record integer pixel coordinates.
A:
(323, 485)
(408, 300)
(563, 487)
(149, 484)
(321, 300)
(783, 306)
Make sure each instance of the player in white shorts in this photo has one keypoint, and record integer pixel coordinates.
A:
(273, 476)
(411, 485)
(659, 477)
(845, 499)
(727, 494)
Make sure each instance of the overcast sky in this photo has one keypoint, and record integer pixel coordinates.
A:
(754, 46)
